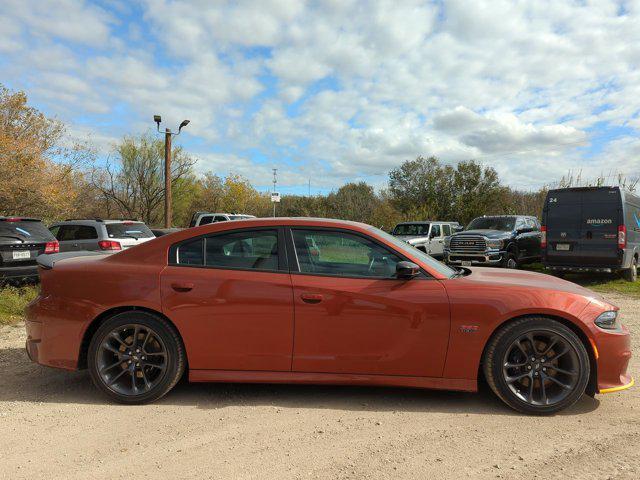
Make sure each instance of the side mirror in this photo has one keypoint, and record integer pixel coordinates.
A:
(407, 270)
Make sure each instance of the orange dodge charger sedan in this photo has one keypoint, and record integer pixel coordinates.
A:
(300, 300)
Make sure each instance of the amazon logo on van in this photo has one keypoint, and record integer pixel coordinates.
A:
(599, 221)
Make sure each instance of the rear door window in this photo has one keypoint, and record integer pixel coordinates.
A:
(206, 220)
(435, 231)
(129, 230)
(256, 250)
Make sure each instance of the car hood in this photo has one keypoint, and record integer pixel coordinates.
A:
(484, 233)
(406, 238)
(520, 278)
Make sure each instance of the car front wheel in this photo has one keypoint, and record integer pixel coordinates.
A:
(136, 357)
(537, 365)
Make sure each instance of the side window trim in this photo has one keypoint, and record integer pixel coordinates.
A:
(294, 266)
(282, 254)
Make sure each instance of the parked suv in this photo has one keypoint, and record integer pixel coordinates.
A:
(592, 229)
(101, 235)
(204, 218)
(427, 236)
(21, 241)
(507, 241)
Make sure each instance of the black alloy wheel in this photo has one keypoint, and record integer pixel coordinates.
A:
(136, 357)
(537, 365)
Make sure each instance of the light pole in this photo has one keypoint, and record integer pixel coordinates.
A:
(167, 167)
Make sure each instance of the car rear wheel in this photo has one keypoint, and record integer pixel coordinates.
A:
(537, 365)
(136, 357)
(631, 274)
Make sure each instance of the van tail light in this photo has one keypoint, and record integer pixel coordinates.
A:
(622, 236)
(51, 247)
(109, 245)
(543, 236)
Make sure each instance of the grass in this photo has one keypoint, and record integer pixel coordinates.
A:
(599, 282)
(12, 303)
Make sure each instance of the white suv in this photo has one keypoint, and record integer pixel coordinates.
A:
(426, 236)
(204, 218)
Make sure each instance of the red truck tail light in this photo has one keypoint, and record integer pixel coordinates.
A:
(51, 247)
(109, 245)
(543, 236)
(622, 236)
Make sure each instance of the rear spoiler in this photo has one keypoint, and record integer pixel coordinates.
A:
(48, 261)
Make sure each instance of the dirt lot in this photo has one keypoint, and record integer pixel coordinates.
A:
(56, 425)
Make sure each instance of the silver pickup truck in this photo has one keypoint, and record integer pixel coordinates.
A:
(427, 236)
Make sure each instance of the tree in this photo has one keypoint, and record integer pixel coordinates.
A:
(134, 187)
(423, 189)
(38, 171)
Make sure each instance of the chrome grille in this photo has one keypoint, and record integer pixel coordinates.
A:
(468, 243)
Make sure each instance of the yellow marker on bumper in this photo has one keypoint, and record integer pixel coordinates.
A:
(617, 389)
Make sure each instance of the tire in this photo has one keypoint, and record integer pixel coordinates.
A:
(631, 274)
(135, 378)
(510, 261)
(558, 382)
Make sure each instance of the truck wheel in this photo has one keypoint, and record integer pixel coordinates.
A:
(631, 274)
(510, 261)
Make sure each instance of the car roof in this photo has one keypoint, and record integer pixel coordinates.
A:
(18, 218)
(92, 221)
(425, 222)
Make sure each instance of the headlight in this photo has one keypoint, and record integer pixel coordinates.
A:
(494, 244)
(608, 320)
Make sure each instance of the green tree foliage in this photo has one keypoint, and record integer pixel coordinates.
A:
(424, 189)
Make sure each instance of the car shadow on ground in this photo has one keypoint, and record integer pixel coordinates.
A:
(23, 381)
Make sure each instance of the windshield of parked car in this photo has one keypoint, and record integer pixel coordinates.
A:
(129, 229)
(25, 230)
(418, 229)
(404, 247)
(506, 224)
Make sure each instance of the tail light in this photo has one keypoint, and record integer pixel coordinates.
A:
(51, 247)
(622, 236)
(543, 236)
(109, 245)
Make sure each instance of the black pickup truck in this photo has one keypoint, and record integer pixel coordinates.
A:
(506, 241)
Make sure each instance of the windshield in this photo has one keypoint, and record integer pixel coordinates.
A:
(129, 229)
(411, 229)
(506, 224)
(25, 230)
(408, 249)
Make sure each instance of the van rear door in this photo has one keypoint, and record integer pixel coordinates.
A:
(582, 227)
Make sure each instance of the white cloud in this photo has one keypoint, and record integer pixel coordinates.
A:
(347, 88)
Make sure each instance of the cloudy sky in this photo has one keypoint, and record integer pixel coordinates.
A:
(339, 90)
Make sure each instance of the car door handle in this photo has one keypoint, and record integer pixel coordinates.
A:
(311, 297)
(182, 287)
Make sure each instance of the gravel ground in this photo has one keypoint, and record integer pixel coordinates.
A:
(56, 425)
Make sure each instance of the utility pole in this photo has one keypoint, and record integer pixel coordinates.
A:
(275, 181)
(167, 179)
(167, 167)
